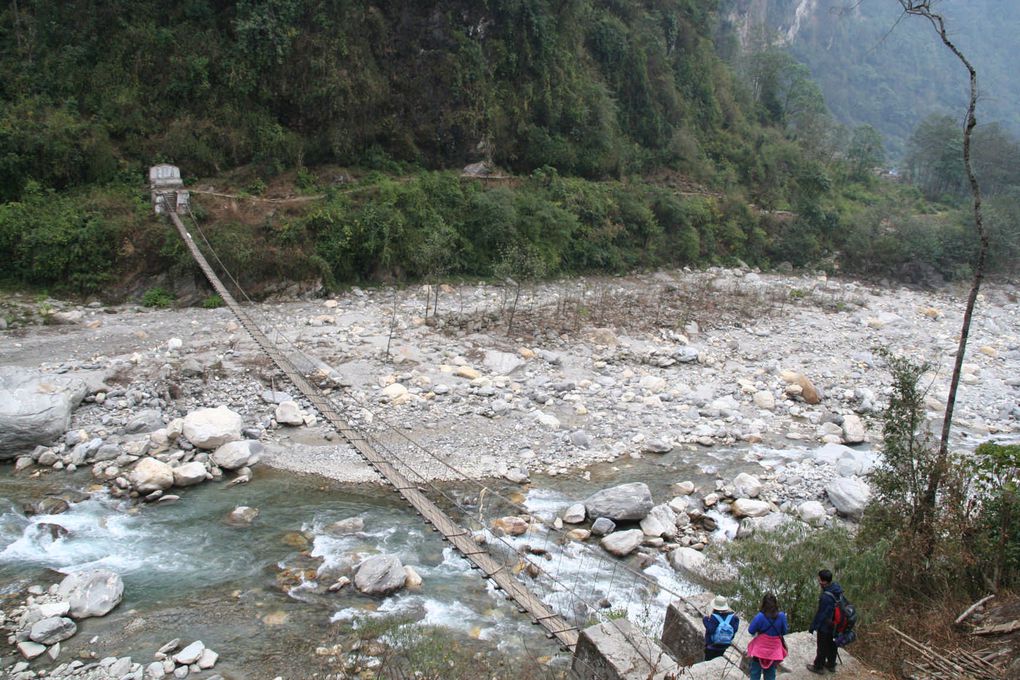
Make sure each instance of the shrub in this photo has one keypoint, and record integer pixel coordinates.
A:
(214, 301)
(786, 561)
(160, 298)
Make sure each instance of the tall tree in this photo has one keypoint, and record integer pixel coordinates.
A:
(924, 9)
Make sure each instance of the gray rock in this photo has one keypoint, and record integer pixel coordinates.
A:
(657, 446)
(502, 363)
(853, 429)
(697, 566)
(619, 503)
(271, 397)
(234, 455)
(580, 439)
(30, 650)
(154, 671)
(380, 574)
(661, 521)
(52, 630)
(120, 667)
(603, 526)
(91, 593)
(189, 474)
(622, 543)
(34, 408)
(144, 421)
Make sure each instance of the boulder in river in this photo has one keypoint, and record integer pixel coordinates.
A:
(620, 503)
(622, 543)
(52, 630)
(151, 475)
(234, 455)
(91, 593)
(380, 575)
(189, 474)
(35, 408)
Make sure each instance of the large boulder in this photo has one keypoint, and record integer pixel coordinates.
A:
(661, 521)
(151, 475)
(622, 543)
(91, 593)
(211, 428)
(620, 503)
(747, 486)
(35, 409)
(380, 575)
(747, 507)
(813, 513)
(853, 429)
(697, 567)
(234, 455)
(849, 495)
(52, 630)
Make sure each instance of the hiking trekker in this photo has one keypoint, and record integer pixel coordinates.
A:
(768, 648)
(824, 624)
(720, 628)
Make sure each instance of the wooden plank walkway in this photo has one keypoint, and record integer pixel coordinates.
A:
(458, 537)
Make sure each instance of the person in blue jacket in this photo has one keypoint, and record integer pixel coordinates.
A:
(718, 641)
(825, 656)
(768, 649)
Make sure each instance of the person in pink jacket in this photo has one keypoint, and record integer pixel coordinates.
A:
(768, 648)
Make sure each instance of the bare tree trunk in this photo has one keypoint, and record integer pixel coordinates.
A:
(923, 8)
(393, 323)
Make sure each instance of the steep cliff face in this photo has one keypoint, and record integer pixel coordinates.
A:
(783, 19)
(877, 69)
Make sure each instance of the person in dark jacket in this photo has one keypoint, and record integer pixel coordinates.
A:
(825, 656)
(721, 612)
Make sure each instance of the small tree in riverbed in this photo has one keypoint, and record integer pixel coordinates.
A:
(937, 474)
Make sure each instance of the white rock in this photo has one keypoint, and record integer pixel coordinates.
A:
(412, 579)
(189, 474)
(575, 514)
(853, 429)
(154, 671)
(210, 428)
(288, 413)
(208, 659)
(747, 485)
(91, 593)
(764, 400)
(394, 391)
(191, 653)
(547, 420)
(661, 521)
(622, 543)
(850, 496)
(746, 507)
(812, 513)
(151, 475)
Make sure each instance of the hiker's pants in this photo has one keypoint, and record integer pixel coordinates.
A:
(826, 655)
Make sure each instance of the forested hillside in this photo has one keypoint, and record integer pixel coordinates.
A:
(876, 69)
(635, 133)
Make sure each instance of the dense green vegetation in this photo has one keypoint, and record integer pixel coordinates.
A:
(637, 136)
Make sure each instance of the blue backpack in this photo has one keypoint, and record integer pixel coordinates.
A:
(723, 634)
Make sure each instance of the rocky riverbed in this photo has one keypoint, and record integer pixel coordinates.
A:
(764, 386)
